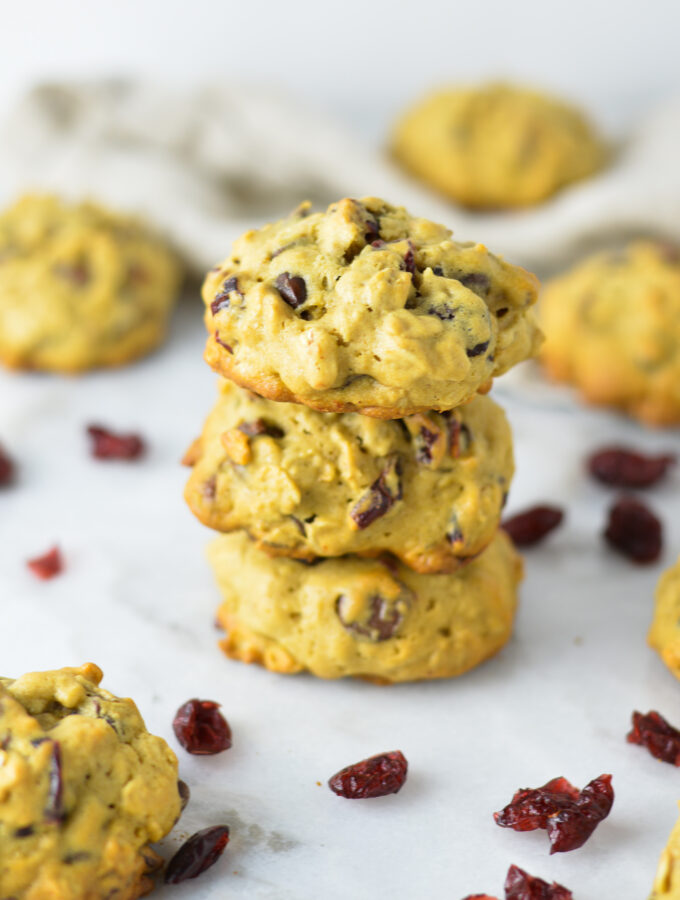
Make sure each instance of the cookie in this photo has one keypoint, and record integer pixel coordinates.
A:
(366, 309)
(84, 789)
(664, 633)
(371, 618)
(428, 488)
(667, 881)
(612, 329)
(80, 287)
(496, 146)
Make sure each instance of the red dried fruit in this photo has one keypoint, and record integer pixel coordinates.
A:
(201, 851)
(374, 777)
(107, 445)
(519, 885)
(569, 816)
(201, 728)
(634, 530)
(6, 468)
(479, 897)
(657, 735)
(48, 565)
(380, 497)
(532, 525)
(221, 300)
(622, 467)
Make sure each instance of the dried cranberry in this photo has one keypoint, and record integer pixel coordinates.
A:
(569, 816)
(6, 468)
(409, 259)
(372, 231)
(374, 777)
(48, 565)
(532, 525)
(479, 897)
(519, 885)
(657, 735)
(222, 343)
(107, 445)
(380, 497)
(292, 288)
(634, 530)
(201, 728)
(379, 620)
(201, 851)
(621, 467)
(221, 300)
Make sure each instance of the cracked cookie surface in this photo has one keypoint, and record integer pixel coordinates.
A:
(84, 788)
(496, 146)
(80, 287)
(429, 489)
(370, 618)
(612, 328)
(365, 308)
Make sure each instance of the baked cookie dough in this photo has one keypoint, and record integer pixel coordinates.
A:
(664, 633)
(371, 618)
(428, 488)
(496, 146)
(612, 328)
(80, 287)
(84, 789)
(667, 880)
(366, 309)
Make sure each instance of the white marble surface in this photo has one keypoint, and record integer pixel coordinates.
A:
(137, 597)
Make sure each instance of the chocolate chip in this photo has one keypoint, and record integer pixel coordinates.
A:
(54, 810)
(454, 535)
(222, 343)
(292, 288)
(477, 282)
(372, 231)
(24, 832)
(260, 426)
(478, 349)
(381, 619)
(443, 312)
(221, 300)
(78, 856)
(380, 497)
(503, 311)
(184, 793)
(437, 270)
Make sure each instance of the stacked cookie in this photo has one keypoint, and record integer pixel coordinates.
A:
(352, 452)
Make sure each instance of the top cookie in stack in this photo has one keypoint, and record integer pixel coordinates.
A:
(366, 309)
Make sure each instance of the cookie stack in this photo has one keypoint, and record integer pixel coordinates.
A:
(351, 453)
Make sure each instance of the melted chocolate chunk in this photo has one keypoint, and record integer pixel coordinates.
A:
(292, 288)
(372, 231)
(478, 349)
(380, 497)
(503, 311)
(478, 282)
(54, 810)
(443, 312)
(221, 300)
(382, 622)
(260, 426)
(24, 832)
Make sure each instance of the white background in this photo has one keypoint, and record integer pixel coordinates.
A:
(137, 596)
(361, 58)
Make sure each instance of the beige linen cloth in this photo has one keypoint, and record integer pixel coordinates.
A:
(207, 163)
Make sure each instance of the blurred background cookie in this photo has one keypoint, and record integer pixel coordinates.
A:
(612, 327)
(497, 145)
(80, 286)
